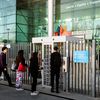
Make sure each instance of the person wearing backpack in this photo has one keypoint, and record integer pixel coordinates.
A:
(3, 65)
(55, 63)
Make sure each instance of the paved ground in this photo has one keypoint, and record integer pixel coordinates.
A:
(9, 93)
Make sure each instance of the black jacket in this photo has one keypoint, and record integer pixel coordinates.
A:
(34, 65)
(3, 60)
(55, 61)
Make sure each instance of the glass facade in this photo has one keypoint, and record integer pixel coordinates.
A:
(31, 19)
(76, 17)
(7, 20)
(20, 20)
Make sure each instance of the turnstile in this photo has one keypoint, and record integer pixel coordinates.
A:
(46, 45)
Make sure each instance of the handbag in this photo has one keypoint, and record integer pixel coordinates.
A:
(21, 67)
(13, 66)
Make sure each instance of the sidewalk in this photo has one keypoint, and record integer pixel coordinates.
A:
(71, 96)
(10, 93)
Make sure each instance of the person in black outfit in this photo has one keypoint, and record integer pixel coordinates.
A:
(55, 63)
(3, 65)
(34, 72)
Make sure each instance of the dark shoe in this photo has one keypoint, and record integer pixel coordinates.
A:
(11, 85)
(57, 91)
(52, 90)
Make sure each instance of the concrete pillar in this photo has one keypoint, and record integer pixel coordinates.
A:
(50, 17)
(93, 68)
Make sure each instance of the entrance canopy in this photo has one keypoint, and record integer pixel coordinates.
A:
(55, 39)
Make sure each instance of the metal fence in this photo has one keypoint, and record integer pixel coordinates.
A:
(80, 73)
(97, 68)
(11, 56)
(84, 78)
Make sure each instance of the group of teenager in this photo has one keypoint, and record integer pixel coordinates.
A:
(55, 62)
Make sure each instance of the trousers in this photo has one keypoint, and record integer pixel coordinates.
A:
(5, 72)
(19, 79)
(34, 82)
(55, 74)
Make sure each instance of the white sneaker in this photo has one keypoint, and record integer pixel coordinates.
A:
(34, 93)
(19, 89)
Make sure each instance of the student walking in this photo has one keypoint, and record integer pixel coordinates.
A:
(3, 65)
(34, 72)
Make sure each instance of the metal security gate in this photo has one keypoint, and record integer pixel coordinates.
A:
(47, 44)
(83, 77)
(47, 49)
(44, 50)
(98, 68)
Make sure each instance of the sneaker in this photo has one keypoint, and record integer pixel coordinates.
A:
(34, 93)
(19, 89)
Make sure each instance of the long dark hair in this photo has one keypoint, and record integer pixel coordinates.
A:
(34, 55)
(20, 58)
(20, 53)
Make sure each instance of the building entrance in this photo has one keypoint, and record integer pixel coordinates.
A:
(46, 45)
